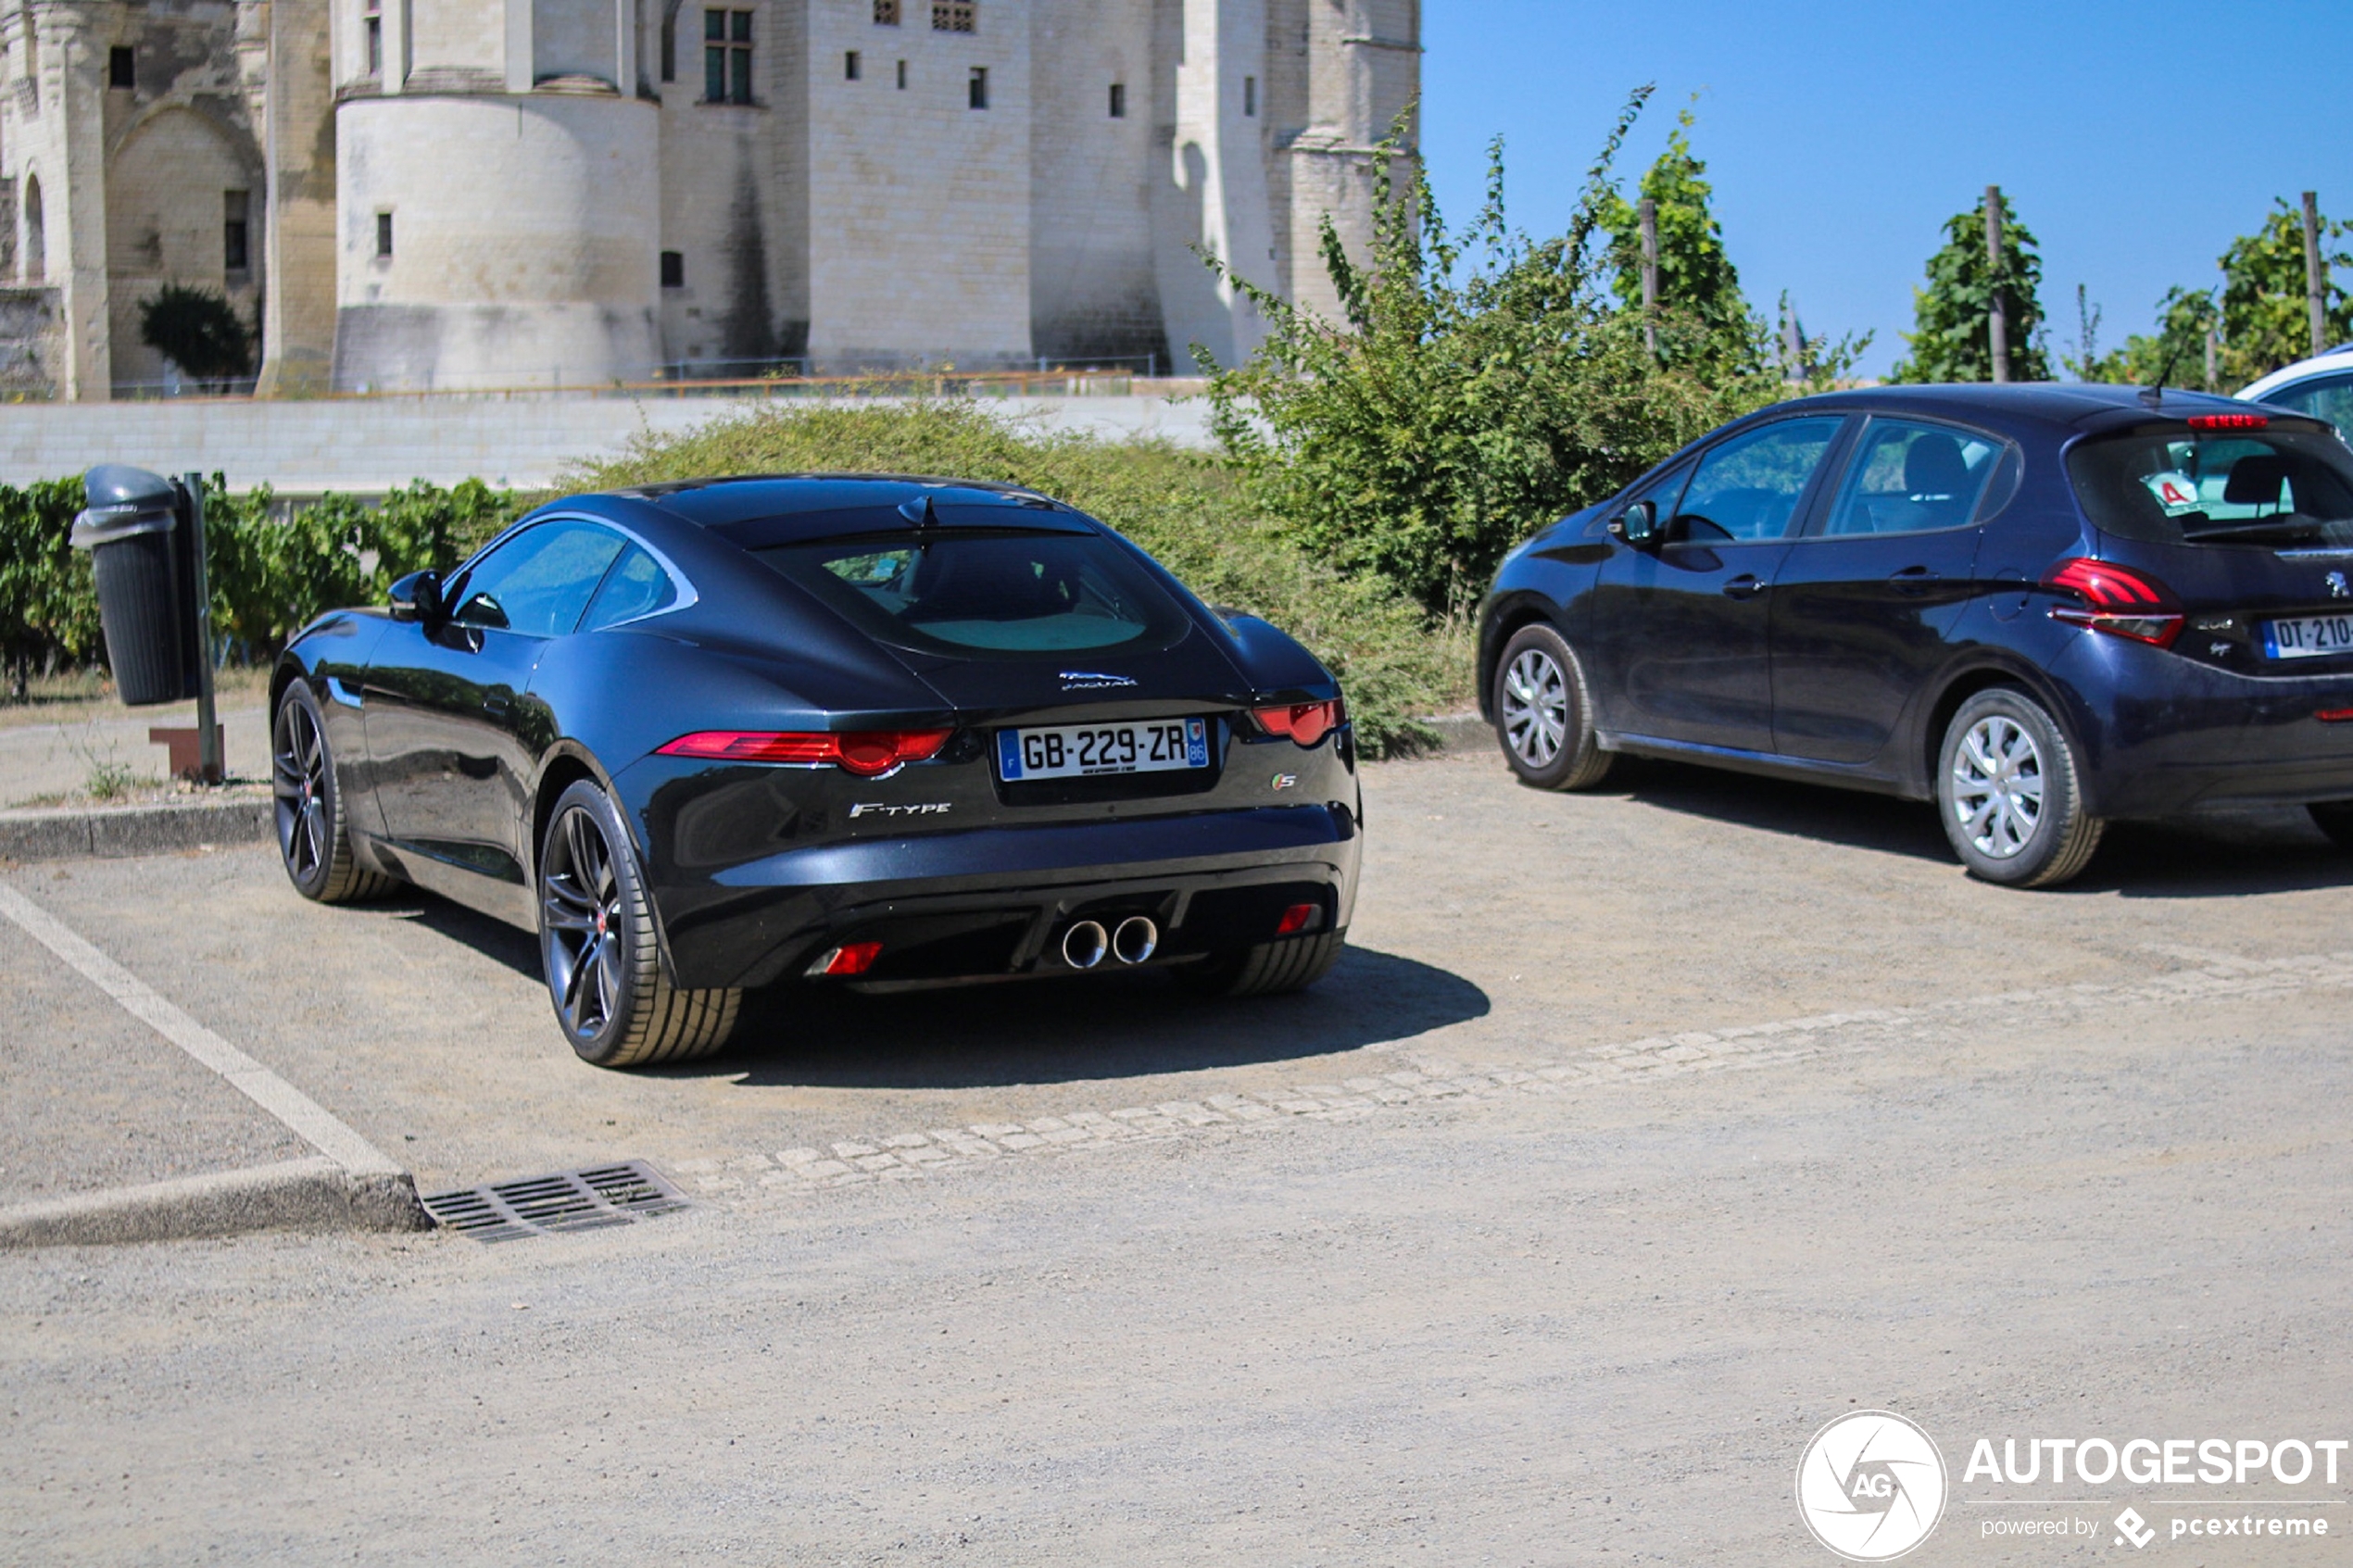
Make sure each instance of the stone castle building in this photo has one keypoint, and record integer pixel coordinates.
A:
(454, 193)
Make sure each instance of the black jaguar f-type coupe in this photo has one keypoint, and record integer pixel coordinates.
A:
(853, 730)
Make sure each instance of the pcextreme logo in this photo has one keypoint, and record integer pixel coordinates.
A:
(1872, 1486)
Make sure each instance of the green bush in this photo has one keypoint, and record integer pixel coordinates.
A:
(48, 607)
(197, 329)
(1185, 508)
(1480, 388)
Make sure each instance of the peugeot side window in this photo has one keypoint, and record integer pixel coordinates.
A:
(1913, 478)
(539, 582)
(1749, 487)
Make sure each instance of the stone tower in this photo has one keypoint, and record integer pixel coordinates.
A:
(446, 195)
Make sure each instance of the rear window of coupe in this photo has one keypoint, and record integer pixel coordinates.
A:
(1003, 593)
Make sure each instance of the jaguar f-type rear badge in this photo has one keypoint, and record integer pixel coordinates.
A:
(874, 808)
(1090, 680)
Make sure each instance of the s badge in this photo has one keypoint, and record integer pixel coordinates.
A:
(1283, 780)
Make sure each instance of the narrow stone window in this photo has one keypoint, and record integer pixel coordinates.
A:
(670, 43)
(384, 236)
(976, 90)
(1250, 94)
(1119, 100)
(849, 67)
(375, 29)
(902, 76)
(122, 67)
(886, 13)
(726, 57)
(673, 270)
(953, 16)
(236, 254)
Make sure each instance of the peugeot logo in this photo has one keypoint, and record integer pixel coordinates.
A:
(1090, 680)
(2334, 582)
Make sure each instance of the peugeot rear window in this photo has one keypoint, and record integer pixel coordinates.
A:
(968, 591)
(2270, 487)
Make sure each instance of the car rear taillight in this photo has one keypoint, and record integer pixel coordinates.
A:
(2229, 422)
(1299, 918)
(849, 959)
(2117, 600)
(1305, 722)
(863, 752)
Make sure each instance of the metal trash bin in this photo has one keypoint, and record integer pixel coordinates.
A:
(136, 530)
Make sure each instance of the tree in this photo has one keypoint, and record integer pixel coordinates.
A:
(198, 330)
(1954, 342)
(1694, 275)
(2266, 321)
(1465, 400)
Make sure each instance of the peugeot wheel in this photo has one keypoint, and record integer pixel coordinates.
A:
(2009, 791)
(602, 956)
(314, 838)
(1544, 718)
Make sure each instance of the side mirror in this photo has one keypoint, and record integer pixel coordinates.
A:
(417, 597)
(1638, 524)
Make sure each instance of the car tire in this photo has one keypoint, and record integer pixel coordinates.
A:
(2009, 792)
(1544, 714)
(601, 952)
(1268, 969)
(314, 832)
(2335, 819)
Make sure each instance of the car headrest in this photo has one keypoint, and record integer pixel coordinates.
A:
(2254, 480)
(1933, 466)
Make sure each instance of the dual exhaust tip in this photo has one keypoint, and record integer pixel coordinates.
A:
(1132, 941)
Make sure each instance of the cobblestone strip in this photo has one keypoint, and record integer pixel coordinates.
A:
(906, 1156)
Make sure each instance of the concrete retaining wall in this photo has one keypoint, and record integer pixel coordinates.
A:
(370, 445)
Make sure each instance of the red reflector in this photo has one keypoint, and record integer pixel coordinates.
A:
(863, 752)
(1298, 918)
(2123, 603)
(1305, 722)
(2229, 422)
(850, 958)
(2333, 715)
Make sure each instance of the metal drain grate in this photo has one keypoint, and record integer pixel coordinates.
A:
(569, 1201)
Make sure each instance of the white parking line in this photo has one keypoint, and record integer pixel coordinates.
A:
(304, 1116)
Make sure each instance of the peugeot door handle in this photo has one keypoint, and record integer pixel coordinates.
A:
(1746, 586)
(497, 706)
(1912, 580)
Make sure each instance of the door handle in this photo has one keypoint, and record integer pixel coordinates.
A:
(1746, 586)
(497, 706)
(1912, 580)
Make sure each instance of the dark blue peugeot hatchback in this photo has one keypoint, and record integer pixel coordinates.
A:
(2042, 607)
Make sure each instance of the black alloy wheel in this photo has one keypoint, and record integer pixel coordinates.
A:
(1543, 716)
(314, 841)
(600, 950)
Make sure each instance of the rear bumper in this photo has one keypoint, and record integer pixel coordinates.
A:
(2166, 735)
(992, 902)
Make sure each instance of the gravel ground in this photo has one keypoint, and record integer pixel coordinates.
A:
(1641, 1134)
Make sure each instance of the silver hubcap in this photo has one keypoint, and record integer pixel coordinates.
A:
(298, 780)
(1535, 708)
(580, 920)
(1997, 787)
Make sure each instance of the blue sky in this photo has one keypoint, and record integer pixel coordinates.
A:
(2133, 140)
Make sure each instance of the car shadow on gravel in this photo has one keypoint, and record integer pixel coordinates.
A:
(2221, 854)
(1062, 1030)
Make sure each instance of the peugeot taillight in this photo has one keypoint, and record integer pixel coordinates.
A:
(866, 753)
(2117, 600)
(1305, 722)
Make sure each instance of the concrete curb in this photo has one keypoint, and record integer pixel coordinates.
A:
(1460, 731)
(45, 834)
(301, 1195)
